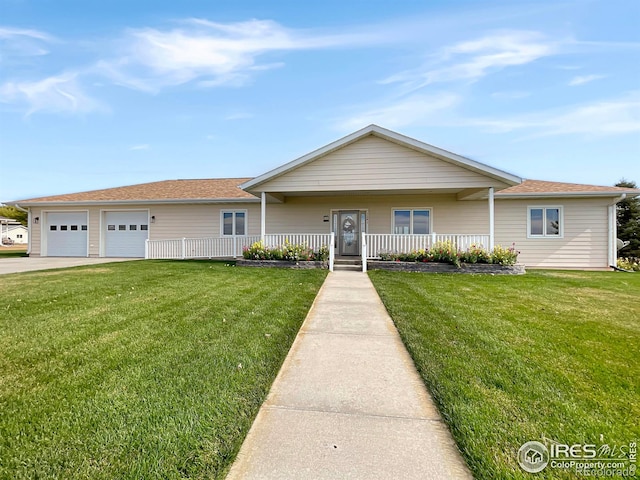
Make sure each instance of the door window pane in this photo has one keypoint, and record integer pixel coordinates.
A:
(122, 227)
(420, 221)
(133, 227)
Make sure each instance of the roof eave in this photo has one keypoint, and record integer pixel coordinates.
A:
(515, 196)
(136, 202)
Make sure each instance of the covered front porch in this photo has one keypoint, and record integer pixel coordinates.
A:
(352, 226)
(369, 245)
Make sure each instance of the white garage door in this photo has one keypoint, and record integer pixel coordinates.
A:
(125, 233)
(66, 234)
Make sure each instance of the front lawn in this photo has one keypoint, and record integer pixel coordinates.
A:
(13, 251)
(548, 355)
(144, 369)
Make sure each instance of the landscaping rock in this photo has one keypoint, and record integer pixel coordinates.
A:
(282, 264)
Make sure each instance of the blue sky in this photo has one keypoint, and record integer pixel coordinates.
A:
(102, 94)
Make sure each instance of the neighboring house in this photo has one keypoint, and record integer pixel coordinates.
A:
(400, 192)
(12, 232)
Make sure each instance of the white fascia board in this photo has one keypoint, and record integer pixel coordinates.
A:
(515, 196)
(396, 138)
(142, 202)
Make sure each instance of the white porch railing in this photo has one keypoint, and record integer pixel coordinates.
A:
(373, 244)
(209, 247)
(377, 243)
(314, 241)
(231, 247)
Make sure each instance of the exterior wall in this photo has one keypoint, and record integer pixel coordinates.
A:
(172, 221)
(448, 215)
(583, 245)
(373, 163)
(12, 231)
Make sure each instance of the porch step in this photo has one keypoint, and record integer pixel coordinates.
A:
(347, 264)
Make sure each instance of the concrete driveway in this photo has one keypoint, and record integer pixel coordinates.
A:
(28, 264)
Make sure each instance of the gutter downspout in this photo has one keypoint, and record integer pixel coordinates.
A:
(613, 231)
(28, 210)
(491, 219)
(263, 216)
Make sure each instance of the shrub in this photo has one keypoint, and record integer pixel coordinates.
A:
(631, 263)
(445, 252)
(289, 252)
(475, 254)
(504, 256)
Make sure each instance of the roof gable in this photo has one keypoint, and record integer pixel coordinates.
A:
(410, 144)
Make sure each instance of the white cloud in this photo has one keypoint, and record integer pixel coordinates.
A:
(142, 146)
(239, 116)
(510, 95)
(581, 80)
(209, 53)
(615, 116)
(10, 32)
(474, 59)
(55, 94)
(411, 110)
(197, 51)
(23, 42)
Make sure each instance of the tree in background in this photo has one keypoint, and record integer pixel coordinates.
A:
(629, 222)
(12, 212)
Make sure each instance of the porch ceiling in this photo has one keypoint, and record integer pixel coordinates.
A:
(461, 193)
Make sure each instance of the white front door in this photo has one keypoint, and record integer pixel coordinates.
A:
(66, 234)
(125, 233)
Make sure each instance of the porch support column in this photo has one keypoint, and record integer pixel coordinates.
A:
(263, 214)
(491, 220)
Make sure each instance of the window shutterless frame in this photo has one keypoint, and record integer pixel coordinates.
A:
(233, 223)
(411, 220)
(545, 221)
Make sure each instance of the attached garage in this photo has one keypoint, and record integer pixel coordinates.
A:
(125, 233)
(66, 234)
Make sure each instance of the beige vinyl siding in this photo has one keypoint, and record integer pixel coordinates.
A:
(583, 245)
(373, 163)
(193, 221)
(172, 221)
(448, 215)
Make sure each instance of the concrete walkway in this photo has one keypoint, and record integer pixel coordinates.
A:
(29, 264)
(348, 402)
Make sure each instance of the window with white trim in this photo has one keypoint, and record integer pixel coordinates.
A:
(545, 222)
(412, 221)
(234, 223)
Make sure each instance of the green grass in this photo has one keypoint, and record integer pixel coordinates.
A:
(508, 359)
(145, 369)
(13, 252)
